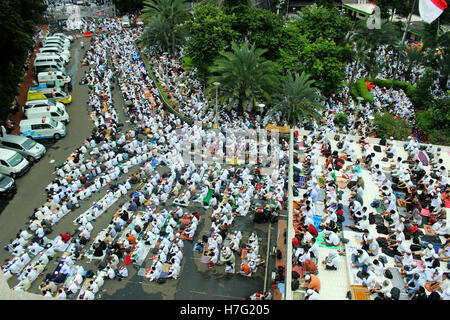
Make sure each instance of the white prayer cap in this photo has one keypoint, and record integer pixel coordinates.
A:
(307, 277)
(309, 291)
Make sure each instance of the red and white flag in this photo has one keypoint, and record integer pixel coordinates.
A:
(430, 10)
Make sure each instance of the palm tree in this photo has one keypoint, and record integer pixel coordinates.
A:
(245, 77)
(411, 56)
(159, 33)
(298, 100)
(365, 39)
(173, 11)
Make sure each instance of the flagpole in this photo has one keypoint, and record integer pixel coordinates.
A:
(403, 41)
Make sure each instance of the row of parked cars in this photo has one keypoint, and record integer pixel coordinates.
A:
(45, 112)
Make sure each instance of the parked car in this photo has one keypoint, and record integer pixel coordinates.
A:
(27, 147)
(13, 164)
(8, 187)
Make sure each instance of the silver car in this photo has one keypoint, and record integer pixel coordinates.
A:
(28, 148)
(7, 187)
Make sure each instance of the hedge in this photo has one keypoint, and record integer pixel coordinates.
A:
(361, 87)
(405, 86)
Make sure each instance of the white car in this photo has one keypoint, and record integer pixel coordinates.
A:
(12, 163)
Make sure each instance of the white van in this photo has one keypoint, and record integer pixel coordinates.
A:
(53, 112)
(54, 56)
(55, 45)
(55, 50)
(12, 163)
(62, 36)
(42, 103)
(42, 66)
(63, 41)
(44, 128)
(126, 22)
(55, 42)
(50, 76)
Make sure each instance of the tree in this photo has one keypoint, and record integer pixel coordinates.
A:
(322, 22)
(411, 57)
(210, 31)
(173, 11)
(322, 59)
(435, 121)
(422, 96)
(387, 34)
(158, 33)
(129, 6)
(298, 100)
(261, 27)
(388, 126)
(365, 41)
(245, 77)
(17, 22)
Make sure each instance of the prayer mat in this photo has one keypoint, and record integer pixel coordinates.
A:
(420, 265)
(347, 220)
(359, 292)
(423, 158)
(208, 197)
(321, 181)
(317, 220)
(436, 246)
(399, 195)
(429, 230)
(401, 203)
(381, 208)
(431, 239)
(425, 212)
(402, 211)
(166, 267)
(205, 259)
(342, 183)
(399, 282)
(319, 240)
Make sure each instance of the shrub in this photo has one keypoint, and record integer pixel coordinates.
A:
(340, 119)
(363, 92)
(388, 126)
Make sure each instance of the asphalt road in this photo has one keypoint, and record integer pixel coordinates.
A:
(197, 281)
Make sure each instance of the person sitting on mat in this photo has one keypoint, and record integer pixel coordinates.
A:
(330, 239)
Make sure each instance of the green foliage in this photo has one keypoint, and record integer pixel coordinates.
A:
(361, 88)
(408, 88)
(340, 120)
(265, 30)
(439, 137)
(245, 77)
(159, 33)
(174, 12)
(435, 121)
(17, 20)
(321, 59)
(388, 34)
(129, 6)
(298, 100)
(388, 126)
(422, 96)
(210, 32)
(411, 57)
(322, 22)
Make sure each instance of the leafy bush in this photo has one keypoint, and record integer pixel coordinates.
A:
(363, 92)
(440, 137)
(340, 119)
(388, 126)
